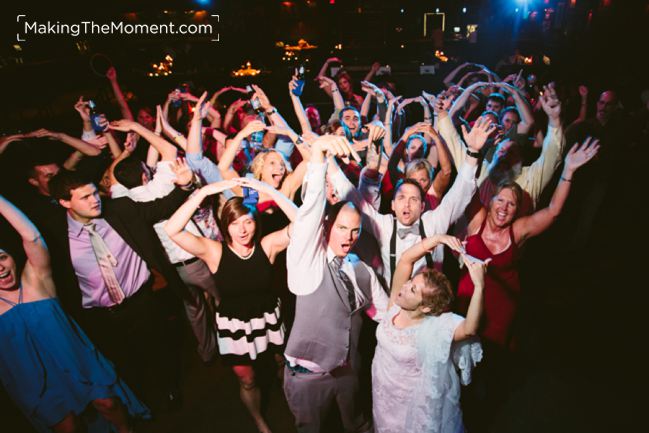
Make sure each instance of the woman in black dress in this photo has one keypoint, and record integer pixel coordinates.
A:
(248, 318)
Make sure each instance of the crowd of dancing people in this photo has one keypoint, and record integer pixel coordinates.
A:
(278, 241)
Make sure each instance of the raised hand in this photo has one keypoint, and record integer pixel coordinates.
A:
(43, 133)
(251, 182)
(476, 270)
(476, 139)
(292, 85)
(184, 174)
(111, 74)
(443, 103)
(583, 91)
(373, 156)
(186, 96)
(404, 103)
(581, 154)
(261, 95)
(326, 82)
(376, 131)
(237, 104)
(218, 187)
(550, 102)
(254, 126)
(173, 96)
(83, 109)
(123, 125)
(373, 90)
(202, 108)
(428, 97)
(451, 241)
(334, 145)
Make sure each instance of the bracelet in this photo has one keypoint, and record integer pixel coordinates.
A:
(334, 90)
(271, 111)
(299, 140)
(565, 180)
(472, 153)
(177, 137)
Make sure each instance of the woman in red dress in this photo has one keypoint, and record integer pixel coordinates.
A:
(497, 234)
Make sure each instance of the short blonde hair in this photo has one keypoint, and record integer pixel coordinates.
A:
(257, 164)
(419, 164)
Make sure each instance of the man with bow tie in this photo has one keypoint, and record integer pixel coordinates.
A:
(409, 224)
(334, 288)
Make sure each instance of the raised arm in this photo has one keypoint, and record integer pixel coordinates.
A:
(233, 146)
(167, 151)
(111, 74)
(8, 139)
(535, 178)
(443, 175)
(409, 257)
(448, 80)
(461, 100)
(539, 221)
(75, 143)
(229, 113)
(195, 135)
(323, 72)
(169, 131)
(583, 107)
(455, 202)
(298, 107)
(372, 72)
(469, 326)
(524, 109)
(305, 250)
(331, 88)
(293, 180)
(276, 242)
(129, 147)
(38, 257)
(447, 131)
(84, 111)
(203, 248)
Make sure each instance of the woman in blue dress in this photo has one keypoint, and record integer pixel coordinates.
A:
(47, 364)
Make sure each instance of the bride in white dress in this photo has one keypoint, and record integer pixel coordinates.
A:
(424, 352)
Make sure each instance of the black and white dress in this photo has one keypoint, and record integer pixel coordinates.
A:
(248, 318)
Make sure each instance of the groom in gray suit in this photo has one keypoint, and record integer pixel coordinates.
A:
(333, 289)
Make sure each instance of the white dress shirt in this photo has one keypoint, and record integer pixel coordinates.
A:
(436, 221)
(160, 186)
(533, 179)
(308, 254)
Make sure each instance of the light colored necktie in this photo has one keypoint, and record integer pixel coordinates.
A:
(106, 262)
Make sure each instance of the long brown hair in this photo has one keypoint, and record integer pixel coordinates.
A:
(234, 209)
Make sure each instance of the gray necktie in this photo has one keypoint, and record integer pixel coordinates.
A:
(336, 265)
(403, 232)
(106, 262)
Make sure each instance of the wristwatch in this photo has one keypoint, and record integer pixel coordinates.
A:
(271, 111)
(299, 140)
(472, 153)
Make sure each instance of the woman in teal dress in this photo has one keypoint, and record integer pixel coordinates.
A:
(47, 364)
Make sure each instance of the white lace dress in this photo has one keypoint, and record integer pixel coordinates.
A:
(415, 384)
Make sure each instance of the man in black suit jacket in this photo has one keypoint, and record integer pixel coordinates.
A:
(130, 329)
